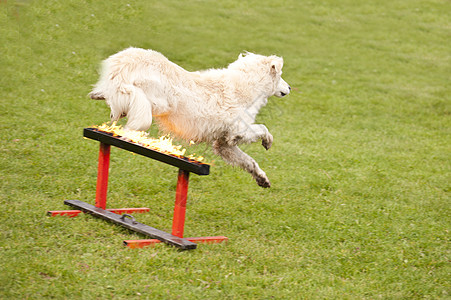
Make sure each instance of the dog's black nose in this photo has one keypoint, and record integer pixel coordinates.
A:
(289, 88)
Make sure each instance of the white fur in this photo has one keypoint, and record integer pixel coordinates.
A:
(216, 106)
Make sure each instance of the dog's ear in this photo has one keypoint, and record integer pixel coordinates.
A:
(276, 64)
(245, 53)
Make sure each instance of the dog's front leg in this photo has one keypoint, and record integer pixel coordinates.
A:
(267, 138)
(250, 133)
(236, 157)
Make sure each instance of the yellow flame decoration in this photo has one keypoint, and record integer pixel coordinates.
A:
(162, 144)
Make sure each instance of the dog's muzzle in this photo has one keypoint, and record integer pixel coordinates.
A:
(284, 94)
(283, 88)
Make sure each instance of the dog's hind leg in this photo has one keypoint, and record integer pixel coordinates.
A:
(139, 114)
(236, 157)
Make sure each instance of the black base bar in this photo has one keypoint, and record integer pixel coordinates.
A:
(131, 224)
(179, 162)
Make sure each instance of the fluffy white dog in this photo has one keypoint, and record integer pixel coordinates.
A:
(216, 106)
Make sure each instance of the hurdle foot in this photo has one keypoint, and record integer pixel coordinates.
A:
(133, 244)
(119, 211)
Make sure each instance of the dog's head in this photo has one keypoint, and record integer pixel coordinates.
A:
(267, 68)
(282, 88)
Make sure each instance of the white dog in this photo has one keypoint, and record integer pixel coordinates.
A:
(216, 106)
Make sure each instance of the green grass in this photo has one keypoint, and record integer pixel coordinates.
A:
(359, 206)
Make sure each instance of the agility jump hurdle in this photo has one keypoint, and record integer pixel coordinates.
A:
(122, 216)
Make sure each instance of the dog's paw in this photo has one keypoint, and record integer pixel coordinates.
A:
(263, 182)
(267, 142)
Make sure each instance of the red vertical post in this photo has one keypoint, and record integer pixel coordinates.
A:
(102, 175)
(181, 193)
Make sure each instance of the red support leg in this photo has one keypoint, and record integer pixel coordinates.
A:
(178, 221)
(102, 175)
(181, 194)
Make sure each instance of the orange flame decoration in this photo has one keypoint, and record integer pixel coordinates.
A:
(162, 144)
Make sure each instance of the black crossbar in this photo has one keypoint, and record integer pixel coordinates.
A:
(132, 225)
(179, 162)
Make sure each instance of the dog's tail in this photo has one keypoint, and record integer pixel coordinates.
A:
(98, 92)
(123, 98)
(96, 95)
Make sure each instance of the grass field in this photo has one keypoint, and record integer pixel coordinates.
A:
(359, 206)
